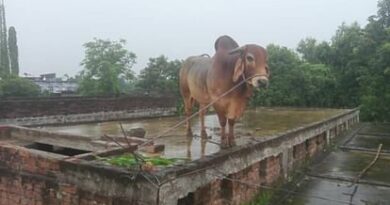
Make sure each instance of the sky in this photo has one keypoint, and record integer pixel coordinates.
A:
(51, 33)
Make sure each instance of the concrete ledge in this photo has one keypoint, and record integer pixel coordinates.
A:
(90, 117)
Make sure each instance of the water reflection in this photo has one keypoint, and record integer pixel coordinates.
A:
(255, 123)
(190, 147)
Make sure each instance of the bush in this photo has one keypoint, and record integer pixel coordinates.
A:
(14, 86)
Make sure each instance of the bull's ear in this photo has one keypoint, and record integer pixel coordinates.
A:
(238, 69)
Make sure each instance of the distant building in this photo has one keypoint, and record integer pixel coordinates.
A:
(50, 83)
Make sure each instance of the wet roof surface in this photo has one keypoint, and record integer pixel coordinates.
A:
(337, 193)
(348, 165)
(331, 180)
(370, 141)
(255, 123)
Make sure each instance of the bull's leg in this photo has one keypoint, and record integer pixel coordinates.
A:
(202, 113)
(222, 121)
(231, 139)
(188, 110)
(203, 143)
(189, 144)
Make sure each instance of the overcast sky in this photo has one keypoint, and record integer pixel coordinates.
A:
(51, 32)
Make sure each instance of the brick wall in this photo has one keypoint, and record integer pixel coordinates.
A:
(31, 179)
(27, 190)
(299, 154)
(68, 105)
(237, 187)
(304, 151)
(246, 184)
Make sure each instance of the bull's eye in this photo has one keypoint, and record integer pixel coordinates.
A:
(249, 58)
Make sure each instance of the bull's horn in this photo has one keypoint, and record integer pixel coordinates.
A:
(236, 50)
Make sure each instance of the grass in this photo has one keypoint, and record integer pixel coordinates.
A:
(129, 161)
(264, 198)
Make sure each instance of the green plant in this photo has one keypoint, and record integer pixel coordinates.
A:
(263, 198)
(129, 161)
(14, 86)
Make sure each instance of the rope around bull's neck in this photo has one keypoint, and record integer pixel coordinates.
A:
(200, 110)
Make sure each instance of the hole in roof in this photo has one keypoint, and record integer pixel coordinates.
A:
(56, 149)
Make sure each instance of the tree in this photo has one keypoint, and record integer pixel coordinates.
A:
(351, 70)
(346, 56)
(160, 75)
(383, 13)
(374, 81)
(348, 62)
(319, 84)
(13, 51)
(14, 86)
(286, 77)
(314, 52)
(106, 63)
(307, 48)
(4, 56)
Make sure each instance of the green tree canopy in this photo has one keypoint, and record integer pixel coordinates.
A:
(351, 70)
(375, 78)
(314, 52)
(4, 56)
(285, 78)
(160, 75)
(295, 82)
(106, 64)
(13, 51)
(14, 86)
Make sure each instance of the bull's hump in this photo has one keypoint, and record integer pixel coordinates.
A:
(201, 60)
(225, 43)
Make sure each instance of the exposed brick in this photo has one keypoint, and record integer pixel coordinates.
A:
(311, 146)
(299, 154)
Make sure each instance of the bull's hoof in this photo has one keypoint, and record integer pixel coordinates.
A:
(225, 144)
(203, 134)
(189, 134)
(232, 143)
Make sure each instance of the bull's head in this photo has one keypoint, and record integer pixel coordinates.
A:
(252, 65)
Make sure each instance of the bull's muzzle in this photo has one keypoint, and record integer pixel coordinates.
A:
(260, 82)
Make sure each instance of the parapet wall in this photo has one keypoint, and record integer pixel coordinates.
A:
(236, 175)
(66, 110)
(231, 176)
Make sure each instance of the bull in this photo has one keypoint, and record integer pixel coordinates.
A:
(228, 79)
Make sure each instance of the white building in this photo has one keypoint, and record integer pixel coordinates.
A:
(52, 84)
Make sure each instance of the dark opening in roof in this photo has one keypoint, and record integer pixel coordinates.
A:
(56, 149)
